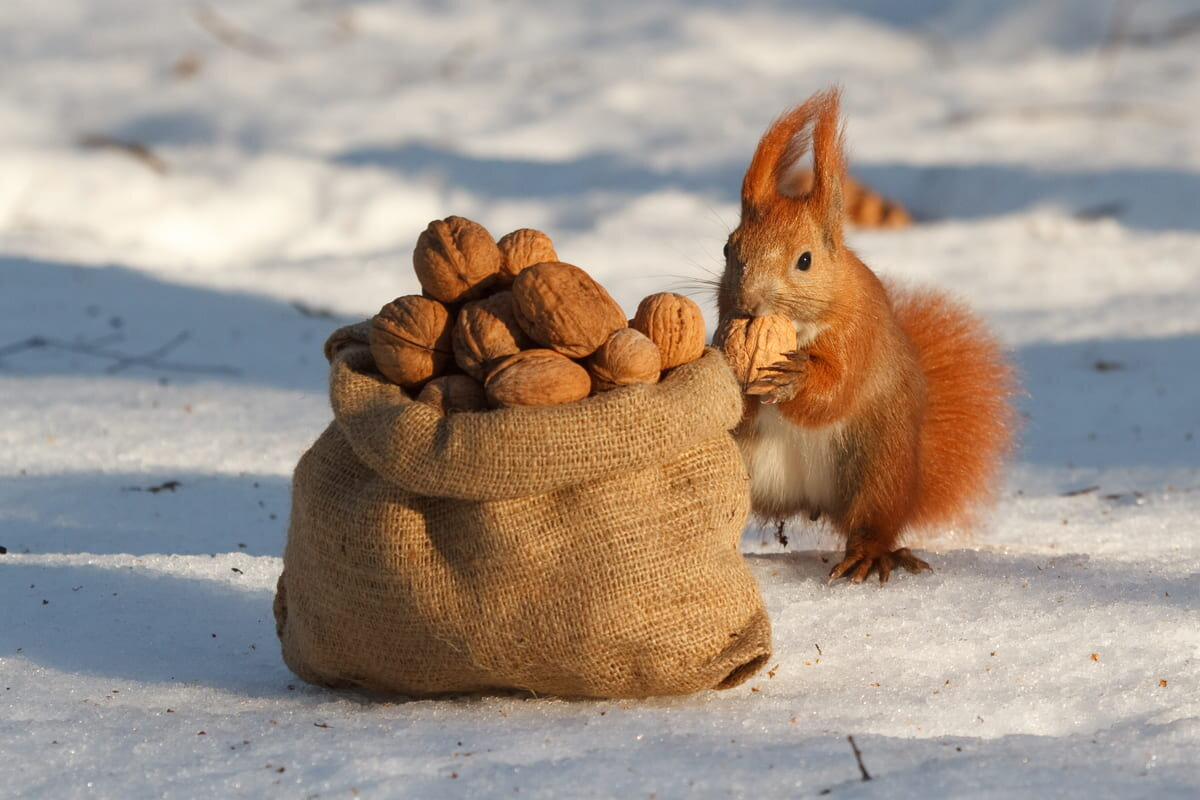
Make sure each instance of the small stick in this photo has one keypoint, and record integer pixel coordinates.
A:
(225, 31)
(866, 776)
(152, 356)
(312, 311)
(135, 150)
(96, 349)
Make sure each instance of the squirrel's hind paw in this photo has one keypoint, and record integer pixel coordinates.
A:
(856, 566)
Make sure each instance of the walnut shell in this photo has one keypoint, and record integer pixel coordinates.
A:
(410, 339)
(626, 357)
(675, 324)
(523, 248)
(752, 343)
(456, 260)
(561, 307)
(451, 393)
(537, 378)
(486, 332)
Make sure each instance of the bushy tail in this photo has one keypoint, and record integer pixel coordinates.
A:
(863, 206)
(867, 208)
(971, 424)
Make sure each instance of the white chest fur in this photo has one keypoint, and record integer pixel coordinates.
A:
(792, 468)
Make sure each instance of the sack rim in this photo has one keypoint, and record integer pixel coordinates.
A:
(515, 452)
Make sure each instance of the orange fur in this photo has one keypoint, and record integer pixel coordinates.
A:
(900, 397)
(865, 207)
(969, 421)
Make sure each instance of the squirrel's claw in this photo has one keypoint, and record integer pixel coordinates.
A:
(856, 566)
(780, 381)
(772, 389)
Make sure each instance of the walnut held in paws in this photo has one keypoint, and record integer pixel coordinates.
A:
(451, 393)
(523, 248)
(486, 332)
(456, 260)
(562, 308)
(537, 378)
(626, 357)
(751, 344)
(675, 324)
(410, 339)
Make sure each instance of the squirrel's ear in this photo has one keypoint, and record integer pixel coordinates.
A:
(829, 166)
(784, 143)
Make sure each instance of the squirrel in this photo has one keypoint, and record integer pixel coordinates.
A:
(894, 411)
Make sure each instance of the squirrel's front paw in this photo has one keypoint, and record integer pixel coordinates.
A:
(782, 380)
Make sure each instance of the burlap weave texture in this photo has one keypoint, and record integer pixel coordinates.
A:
(588, 549)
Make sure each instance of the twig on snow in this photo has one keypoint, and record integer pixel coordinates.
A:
(96, 348)
(312, 311)
(165, 486)
(226, 32)
(136, 150)
(866, 776)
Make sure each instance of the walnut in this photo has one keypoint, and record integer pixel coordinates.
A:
(675, 324)
(523, 248)
(751, 344)
(410, 339)
(561, 307)
(456, 260)
(451, 393)
(486, 332)
(537, 378)
(626, 357)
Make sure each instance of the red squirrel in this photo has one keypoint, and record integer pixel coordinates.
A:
(893, 413)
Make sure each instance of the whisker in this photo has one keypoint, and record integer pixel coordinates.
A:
(690, 288)
(796, 304)
(719, 219)
(712, 279)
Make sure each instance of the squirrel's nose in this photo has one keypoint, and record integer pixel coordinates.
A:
(756, 308)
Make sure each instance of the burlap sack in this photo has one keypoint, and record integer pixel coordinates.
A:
(588, 549)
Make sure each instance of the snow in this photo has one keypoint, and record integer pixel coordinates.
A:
(162, 315)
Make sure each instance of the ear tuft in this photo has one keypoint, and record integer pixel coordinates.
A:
(812, 124)
(829, 164)
(784, 143)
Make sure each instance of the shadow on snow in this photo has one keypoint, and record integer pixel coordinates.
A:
(63, 319)
(139, 513)
(1148, 198)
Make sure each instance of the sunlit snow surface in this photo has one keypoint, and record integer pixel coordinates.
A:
(162, 313)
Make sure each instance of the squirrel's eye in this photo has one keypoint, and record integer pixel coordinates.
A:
(804, 261)
(727, 250)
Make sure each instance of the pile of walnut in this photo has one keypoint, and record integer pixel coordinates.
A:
(503, 324)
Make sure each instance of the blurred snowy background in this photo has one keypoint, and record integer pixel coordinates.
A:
(194, 194)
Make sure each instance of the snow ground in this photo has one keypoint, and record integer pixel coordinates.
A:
(161, 317)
